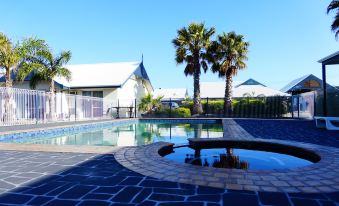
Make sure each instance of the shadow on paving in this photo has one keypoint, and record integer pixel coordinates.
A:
(294, 130)
(102, 181)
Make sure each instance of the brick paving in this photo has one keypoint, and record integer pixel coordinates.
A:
(232, 130)
(294, 130)
(52, 178)
(37, 178)
(318, 177)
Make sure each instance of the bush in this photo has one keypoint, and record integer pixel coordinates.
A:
(179, 112)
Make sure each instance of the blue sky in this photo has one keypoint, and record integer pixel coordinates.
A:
(287, 37)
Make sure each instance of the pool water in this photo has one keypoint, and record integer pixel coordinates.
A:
(132, 135)
(236, 158)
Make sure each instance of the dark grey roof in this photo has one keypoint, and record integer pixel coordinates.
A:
(330, 59)
(298, 84)
(251, 82)
(293, 83)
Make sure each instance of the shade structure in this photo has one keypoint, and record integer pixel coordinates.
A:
(329, 60)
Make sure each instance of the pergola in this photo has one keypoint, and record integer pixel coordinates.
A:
(329, 60)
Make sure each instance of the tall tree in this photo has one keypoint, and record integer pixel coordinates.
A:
(228, 55)
(13, 57)
(45, 66)
(334, 6)
(191, 45)
(9, 57)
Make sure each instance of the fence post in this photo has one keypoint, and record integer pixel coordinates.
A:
(170, 104)
(118, 116)
(292, 111)
(298, 106)
(135, 108)
(207, 107)
(75, 108)
(315, 104)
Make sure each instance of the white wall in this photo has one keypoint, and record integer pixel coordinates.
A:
(134, 88)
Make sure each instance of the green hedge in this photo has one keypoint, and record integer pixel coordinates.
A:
(179, 112)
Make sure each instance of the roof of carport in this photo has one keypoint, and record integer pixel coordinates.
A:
(331, 59)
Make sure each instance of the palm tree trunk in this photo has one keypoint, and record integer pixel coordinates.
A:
(228, 95)
(8, 78)
(52, 100)
(197, 107)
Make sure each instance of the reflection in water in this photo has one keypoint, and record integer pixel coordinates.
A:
(228, 160)
(131, 135)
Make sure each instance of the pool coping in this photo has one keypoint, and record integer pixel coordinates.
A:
(85, 149)
(316, 178)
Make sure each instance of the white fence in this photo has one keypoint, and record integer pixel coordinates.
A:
(22, 106)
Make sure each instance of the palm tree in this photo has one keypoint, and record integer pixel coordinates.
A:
(228, 55)
(334, 6)
(9, 57)
(148, 103)
(45, 67)
(13, 57)
(191, 45)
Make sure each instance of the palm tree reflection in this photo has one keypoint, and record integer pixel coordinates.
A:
(228, 160)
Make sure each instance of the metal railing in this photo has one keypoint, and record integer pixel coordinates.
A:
(22, 106)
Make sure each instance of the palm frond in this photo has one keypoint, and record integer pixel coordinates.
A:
(63, 58)
(64, 72)
(333, 6)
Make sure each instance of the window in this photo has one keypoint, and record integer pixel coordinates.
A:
(93, 93)
(98, 94)
(86, 93)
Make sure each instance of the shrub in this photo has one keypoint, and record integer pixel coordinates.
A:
(179, 112)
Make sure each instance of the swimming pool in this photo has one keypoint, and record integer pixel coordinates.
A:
(236, 158)
(128, 134)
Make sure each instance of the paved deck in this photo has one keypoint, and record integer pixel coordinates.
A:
(294, 130)
(31, 178)
(54, 178)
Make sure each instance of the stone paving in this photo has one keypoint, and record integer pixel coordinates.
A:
(232, 130)
(295, 130)
(37, 178)
(318, 177)
(53, 178)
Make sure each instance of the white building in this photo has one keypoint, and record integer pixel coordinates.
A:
(175, 94)
(250, 87)
(123, 81)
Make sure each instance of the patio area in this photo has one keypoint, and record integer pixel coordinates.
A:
(65, 178)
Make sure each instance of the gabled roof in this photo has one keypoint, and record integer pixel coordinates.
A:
(171, 93)
(250, 82)
(297, 84)
(102, 75)
(250, 87)
(294, 82)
